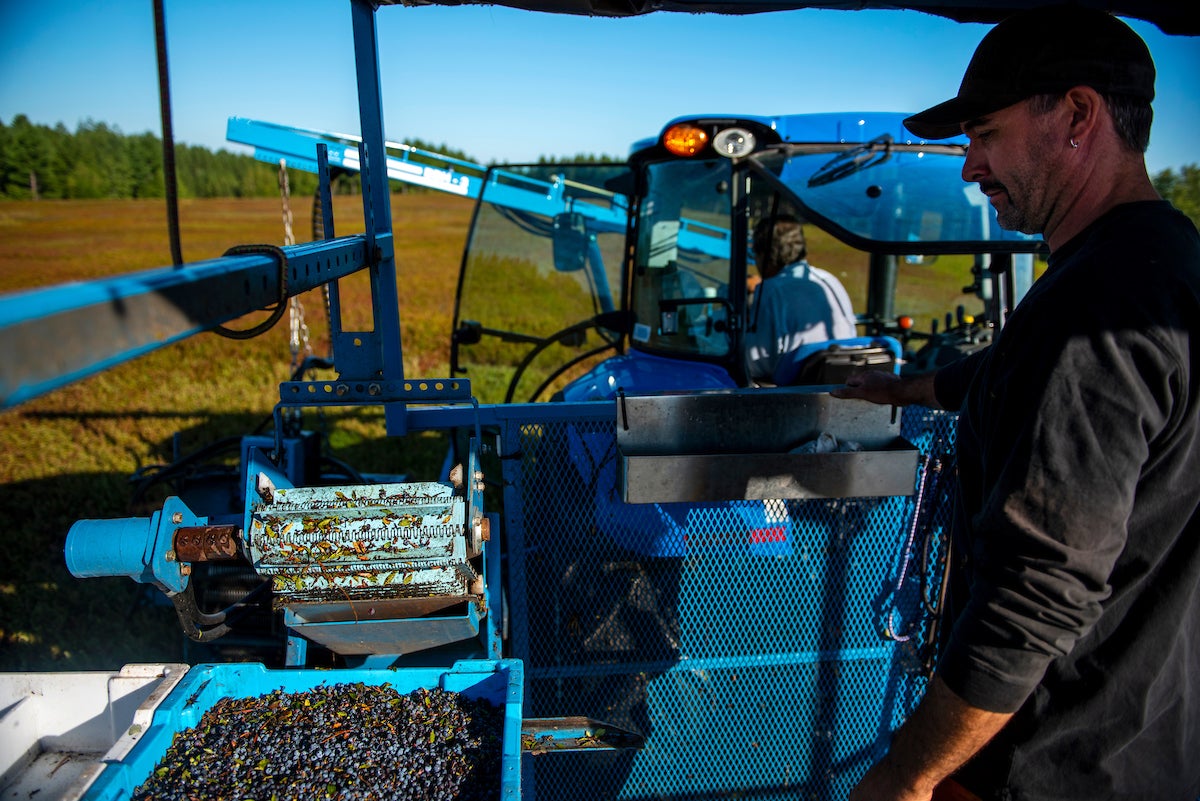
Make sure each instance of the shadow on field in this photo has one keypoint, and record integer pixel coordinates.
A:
(50, 620)
(54, 621)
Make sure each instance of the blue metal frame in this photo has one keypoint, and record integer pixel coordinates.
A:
(377, 210)
(96, 325)
(504, 187)
(272, 142)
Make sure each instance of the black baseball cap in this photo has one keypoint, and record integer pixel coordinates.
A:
(1043, 50)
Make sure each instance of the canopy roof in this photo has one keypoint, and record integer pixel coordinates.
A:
(1172, 16)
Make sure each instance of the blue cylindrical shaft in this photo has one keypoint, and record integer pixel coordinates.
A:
(120, 547)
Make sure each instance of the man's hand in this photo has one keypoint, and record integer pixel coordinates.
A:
(883, 782)
(889, 389)
(943, 732)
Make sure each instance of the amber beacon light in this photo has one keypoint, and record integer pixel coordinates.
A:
(685, 139)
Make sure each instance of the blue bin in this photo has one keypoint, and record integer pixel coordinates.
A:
(500, 681)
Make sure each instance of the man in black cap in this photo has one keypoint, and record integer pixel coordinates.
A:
(1070, 668)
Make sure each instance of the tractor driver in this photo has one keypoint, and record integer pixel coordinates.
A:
(1072, 650)
(794, 303)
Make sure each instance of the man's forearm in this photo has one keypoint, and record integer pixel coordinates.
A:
(938, 738)
(889, 389)
(918, 390)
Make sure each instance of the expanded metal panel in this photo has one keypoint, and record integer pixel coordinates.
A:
(745, 640)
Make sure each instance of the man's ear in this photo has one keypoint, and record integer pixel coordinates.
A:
(1086, 107)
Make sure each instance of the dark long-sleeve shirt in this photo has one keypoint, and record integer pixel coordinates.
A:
(1077, 598)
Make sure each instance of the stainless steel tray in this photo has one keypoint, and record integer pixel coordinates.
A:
(737, 445)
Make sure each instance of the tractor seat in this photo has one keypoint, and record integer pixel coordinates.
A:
(830, 362)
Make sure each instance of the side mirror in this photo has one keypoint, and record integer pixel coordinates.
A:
(570, 242)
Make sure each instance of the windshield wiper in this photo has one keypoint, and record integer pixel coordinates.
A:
(852, 160)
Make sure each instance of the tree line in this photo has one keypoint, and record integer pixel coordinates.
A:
(98, 161)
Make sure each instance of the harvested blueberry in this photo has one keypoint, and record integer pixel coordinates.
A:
(357, 742)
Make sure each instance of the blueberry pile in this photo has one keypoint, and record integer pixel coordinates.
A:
(346, 741)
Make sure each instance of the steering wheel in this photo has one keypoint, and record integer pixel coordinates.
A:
(612, 325)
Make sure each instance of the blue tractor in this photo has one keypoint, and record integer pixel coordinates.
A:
(639, 272)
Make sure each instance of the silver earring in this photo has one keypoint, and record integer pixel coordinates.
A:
(1074, 144)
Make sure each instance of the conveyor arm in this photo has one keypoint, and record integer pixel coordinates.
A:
(57, 335)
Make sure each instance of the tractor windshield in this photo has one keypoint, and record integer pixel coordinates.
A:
(540, 293)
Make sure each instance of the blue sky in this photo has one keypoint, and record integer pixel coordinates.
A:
(502, 84)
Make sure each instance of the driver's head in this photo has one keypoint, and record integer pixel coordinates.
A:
(1046, 51)
(778, 241)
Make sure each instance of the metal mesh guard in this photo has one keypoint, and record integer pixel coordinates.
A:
(743, 639)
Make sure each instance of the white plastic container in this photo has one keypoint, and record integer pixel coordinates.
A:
(56, 729)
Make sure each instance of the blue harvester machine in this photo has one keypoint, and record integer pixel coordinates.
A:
(749, 618)
(744, 620)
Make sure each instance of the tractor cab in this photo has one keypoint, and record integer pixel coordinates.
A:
(638, 276)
